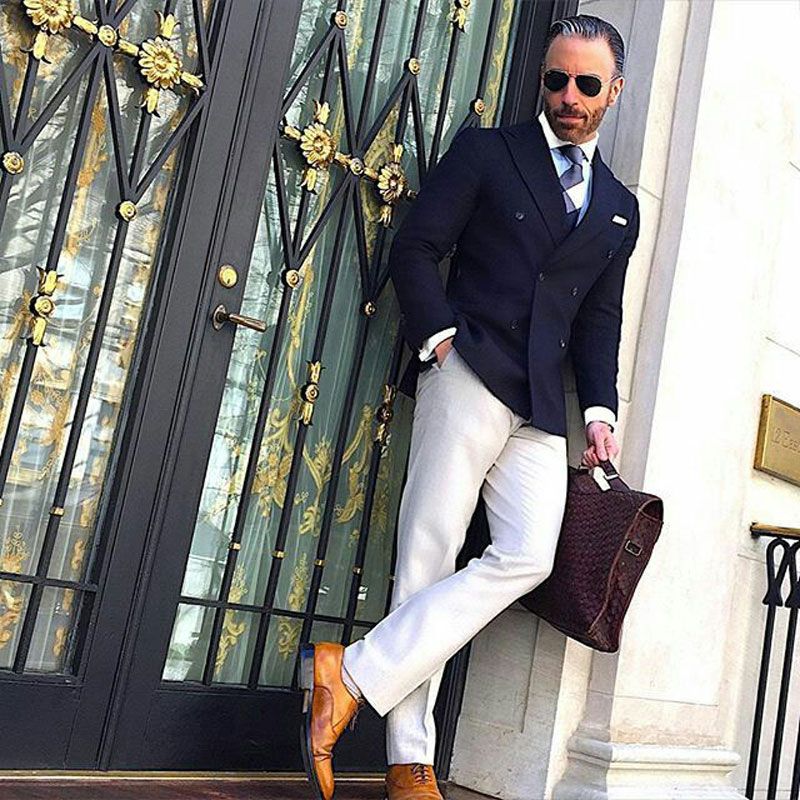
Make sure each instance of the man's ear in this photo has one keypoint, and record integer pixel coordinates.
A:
(615, 90)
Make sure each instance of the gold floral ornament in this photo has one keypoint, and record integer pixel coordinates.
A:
(13, 162)
(385, 414)
(458, 14)
(317, 145)
(161, 66)
(232, 627)
(12, 595)
(53, 16)
(42, 305)
(390, 180)
(107, 35)
(309, 392)
(127, 210)
(289, 629)
(159, 63)
(59, 641)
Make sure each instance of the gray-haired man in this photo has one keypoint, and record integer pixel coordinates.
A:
(544, 233)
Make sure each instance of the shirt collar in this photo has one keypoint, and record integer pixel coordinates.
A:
(553, 141)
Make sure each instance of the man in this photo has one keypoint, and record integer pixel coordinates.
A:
(543, 235)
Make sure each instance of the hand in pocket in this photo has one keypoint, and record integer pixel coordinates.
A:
(442, 350)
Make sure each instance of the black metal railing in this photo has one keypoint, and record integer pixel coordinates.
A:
(783, 591)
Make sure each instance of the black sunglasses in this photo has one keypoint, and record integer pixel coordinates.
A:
(590, 85)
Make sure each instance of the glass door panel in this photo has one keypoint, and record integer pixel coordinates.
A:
(293, 539)
(93, 114)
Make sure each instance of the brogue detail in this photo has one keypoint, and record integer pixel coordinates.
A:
(414, 781)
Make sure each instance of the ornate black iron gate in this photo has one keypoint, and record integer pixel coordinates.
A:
(190, 492)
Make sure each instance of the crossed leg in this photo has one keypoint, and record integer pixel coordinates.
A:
(464, 441)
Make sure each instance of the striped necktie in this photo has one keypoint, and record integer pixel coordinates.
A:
(570, 178)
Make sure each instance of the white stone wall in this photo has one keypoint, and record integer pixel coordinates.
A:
(754, 343)
(732, 333)
(708, 136)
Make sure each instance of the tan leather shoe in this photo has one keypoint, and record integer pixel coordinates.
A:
(328, 707)
(412, 782)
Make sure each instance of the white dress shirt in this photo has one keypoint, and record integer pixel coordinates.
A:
(581, 195)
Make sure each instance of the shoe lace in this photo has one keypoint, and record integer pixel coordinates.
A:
(422, 773)
(360, 704)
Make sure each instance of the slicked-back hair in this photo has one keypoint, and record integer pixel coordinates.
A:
(588, 27)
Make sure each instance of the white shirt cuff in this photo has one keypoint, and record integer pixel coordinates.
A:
(599, 414)
(429, 344)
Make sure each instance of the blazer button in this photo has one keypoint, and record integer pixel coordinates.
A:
(562, 343)
(574, 290)
(610, 254)
(514, 324)
(519, 214)
(541, 276)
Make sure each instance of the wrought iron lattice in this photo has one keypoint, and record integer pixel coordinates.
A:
(353, 179)
(783, 591)
(99, 63)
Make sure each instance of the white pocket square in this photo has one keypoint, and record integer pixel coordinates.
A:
(619, 220)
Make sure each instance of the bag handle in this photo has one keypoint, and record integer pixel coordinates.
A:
(612, 476)
(610, 479)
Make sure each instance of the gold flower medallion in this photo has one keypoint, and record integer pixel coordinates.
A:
(159, 63)
(50, 15)
(317, 145)
(391, 183)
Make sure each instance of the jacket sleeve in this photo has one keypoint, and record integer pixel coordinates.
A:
(432, 225)
(429, 345)
(596, 329)
(600, 414)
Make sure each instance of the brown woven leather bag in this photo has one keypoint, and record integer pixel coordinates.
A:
(606, 539)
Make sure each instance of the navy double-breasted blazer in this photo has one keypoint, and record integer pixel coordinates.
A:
(524, 289)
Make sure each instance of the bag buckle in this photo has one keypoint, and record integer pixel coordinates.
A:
(633, 548)
(600, 478)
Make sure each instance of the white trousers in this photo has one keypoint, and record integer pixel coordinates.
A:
(463, 441)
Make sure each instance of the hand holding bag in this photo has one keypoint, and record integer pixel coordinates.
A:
(606, 540)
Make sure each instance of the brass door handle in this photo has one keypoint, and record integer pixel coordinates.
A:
(221, 315)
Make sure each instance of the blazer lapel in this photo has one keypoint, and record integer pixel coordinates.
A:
(602, 205)
(532, 158)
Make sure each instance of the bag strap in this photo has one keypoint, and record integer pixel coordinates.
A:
(610, 479)
(613, 477)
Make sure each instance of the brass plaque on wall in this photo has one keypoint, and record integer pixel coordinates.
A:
(778, 442)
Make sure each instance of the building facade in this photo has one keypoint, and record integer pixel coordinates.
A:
(203, 445)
